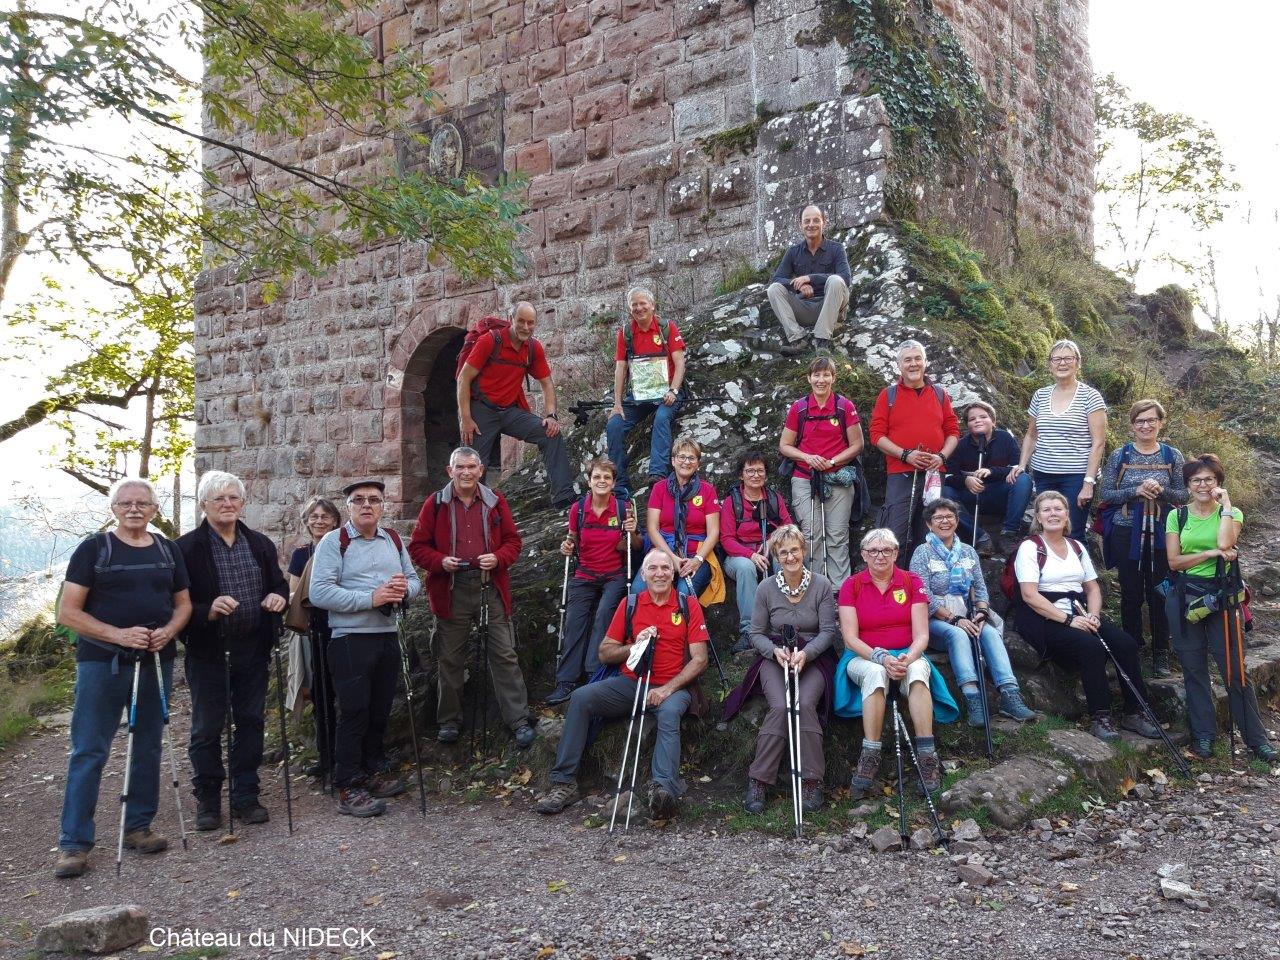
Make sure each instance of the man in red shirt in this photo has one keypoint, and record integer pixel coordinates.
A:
(915, 427)
(491, 399)
(466, 540)
(679, 658)
(643, 383)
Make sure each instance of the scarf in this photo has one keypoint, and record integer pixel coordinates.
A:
(959, 579)
(682, 496)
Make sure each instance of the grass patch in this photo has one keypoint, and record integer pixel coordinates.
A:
(22, 701)
(199, 954)
(741, 274)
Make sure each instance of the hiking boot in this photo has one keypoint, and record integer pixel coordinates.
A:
(209, 811)
(811, 798)
(662, 805)
(1265, 752)
(864, 777)
(524, 734)
(985, 545)
(930, 771)
(355, 802)
(560, 795)
(754, 800)
(1140, 725)
(71, 863)
(793, 348)
(251, 812)
(821, 348)
(145, 840)
(1104, 728)
(1005, 543)
(449, 732)
(977, 716)
(383, 787)
(1160, 665)
(742, 644)
(1013, 707)
(559, 695)
(1201, 749)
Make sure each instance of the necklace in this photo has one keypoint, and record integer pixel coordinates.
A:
(790, 591)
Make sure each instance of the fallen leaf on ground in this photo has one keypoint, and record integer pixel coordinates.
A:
(621, 858)
(374, 900)
(227, 838)
(1127, 785)
(232, 894)
(148, 948)
(1157, 776)
(387, 955)
(852, 949)
(557, 886)
(1068, 887)
(545, 952)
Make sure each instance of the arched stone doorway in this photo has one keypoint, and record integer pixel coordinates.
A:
(429, 414)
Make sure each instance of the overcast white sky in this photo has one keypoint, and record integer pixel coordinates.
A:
(1216, 62)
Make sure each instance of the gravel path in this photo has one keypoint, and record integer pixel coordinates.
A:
(496, 880)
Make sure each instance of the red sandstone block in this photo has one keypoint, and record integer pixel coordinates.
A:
(452, 12)
(649, 167)
(573, 23)
(605, 11)
(549, 190)
(483, 8)
(600, 105)
(640, 130)
(425, 20)
(559, 88)
(554, 118)
(571, 220)
(465, 63)
(522, 42)
(595, 254)
(560, 259)
(585, 52)
(508, 17)
(534, 159)
(612, 70)
(599, 140)
(568, 149)
(595, 177)
(645, 91)
(641, 35)
(397, 33)
(548, 63)
(646, 201)
(635, 8)
(632, 248)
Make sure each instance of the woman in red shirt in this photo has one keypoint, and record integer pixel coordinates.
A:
(683, 518)
(884, 619)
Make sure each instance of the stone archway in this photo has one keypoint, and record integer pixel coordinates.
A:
(428, 415)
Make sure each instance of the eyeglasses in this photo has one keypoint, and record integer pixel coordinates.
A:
(1066, 359)
(227, 498)
(880, 551)
(128, 505)
(790, 552)
(753, 472)
(685, 458)
(1202, 481)
(1146, 422)
(365, 501)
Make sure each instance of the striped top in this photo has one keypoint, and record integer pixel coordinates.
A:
(1062, 439)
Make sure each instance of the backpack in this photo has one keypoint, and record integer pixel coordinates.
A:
(773, 508)
(1179, 581)
(1103, 520)
(493, 327)
(620, 503)
(1009, 585)
(664, 330)
(787, 467)
(344, 538)
(103, 562)
(681, 600)
(938, 393)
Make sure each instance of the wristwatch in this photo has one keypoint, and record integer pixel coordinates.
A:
(1089, 479)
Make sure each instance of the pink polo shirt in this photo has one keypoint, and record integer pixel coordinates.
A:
(884, 619)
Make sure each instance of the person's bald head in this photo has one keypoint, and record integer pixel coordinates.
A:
(812, 222)
(523, 321)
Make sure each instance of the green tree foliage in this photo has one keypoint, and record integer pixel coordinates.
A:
(1155, 170)
(100, 164)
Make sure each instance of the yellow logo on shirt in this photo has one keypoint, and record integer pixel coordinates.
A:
(613, 521)
(834, 422)
(899, 596)
(657, 339)
(676, 619)
(697, 501)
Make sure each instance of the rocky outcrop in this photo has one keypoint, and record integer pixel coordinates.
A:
(96, 930)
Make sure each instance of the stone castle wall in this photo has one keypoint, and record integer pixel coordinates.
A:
(641, 127)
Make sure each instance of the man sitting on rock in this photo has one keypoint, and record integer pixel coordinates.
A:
(491, 400)
(647, 378)
(811, 282)
(679, 635)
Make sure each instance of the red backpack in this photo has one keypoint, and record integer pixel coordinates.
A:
(493, 327)
(1009, 585)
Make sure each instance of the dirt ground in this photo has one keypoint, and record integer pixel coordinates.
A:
(495, 880)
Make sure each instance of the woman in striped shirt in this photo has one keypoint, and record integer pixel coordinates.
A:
(1066, 435)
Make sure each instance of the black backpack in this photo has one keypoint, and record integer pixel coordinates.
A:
(844, 406)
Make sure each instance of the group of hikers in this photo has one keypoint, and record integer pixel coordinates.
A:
(826, 637)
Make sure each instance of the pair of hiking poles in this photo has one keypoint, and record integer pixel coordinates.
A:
(564, 585)
(791, 703)
(1234, 673)
(642, 666)
(900, 736)
(128, 750)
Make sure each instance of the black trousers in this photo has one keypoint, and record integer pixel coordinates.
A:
(1132, 592)
(207, 680)
(1080, 650)
(364, 668)
(326, 714)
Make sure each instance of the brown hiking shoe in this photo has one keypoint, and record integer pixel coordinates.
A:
(145, 840)
(383, 786)
(864, 777)
(355, 802)
(930, 771)
(71, 863)
(558, 797)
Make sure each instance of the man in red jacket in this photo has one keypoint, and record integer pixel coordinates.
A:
(916, 429)
(466, 540)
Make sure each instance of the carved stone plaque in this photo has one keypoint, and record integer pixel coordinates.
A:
(467, 138)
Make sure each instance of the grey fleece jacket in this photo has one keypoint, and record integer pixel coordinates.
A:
(344, 584)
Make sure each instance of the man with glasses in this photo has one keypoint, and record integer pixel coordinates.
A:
(236, 586)
(361, 574)
(466, 540)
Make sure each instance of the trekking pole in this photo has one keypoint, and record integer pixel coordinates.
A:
(1146, 569)
(323, 708)
(484, 657)
(626, 538)
(813, 530)
(226, 689)
(977, 504)
(911, 508)
(1183, 768)
(938, 831)
(715, 654)
(409, 702)
(980, 658)
(638, 707)
(173, 758)
(791, 688)
(892, 694)
(564, 601)
(128, 763)
(284, 726)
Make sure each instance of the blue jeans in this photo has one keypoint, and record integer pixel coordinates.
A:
(101, 700)
(617, 428)
(959, 647)
(999, 497)
(1069, 485)
(746, 578)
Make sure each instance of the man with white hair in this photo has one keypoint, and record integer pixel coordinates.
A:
(492, 403)
(236, 588)
(916, 429)
(810, 288)
(648, 378)
(675, 625)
